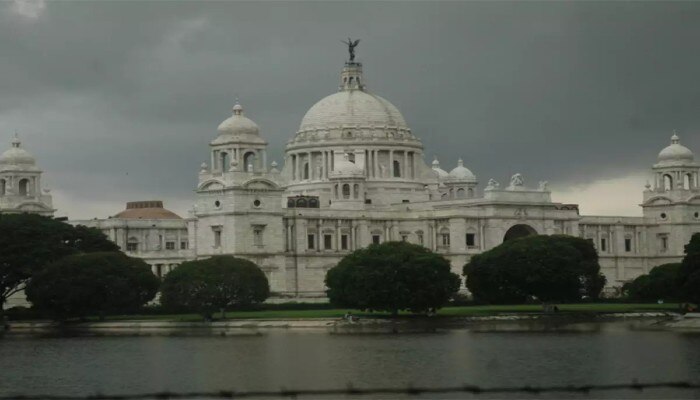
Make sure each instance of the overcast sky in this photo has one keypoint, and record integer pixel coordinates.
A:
(119, 100)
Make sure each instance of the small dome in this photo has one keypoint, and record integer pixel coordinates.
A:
(675, 153)
(442, 174)
(350, 108)
(146, 210)
(461, 173)
(238, 128)
(17, 155)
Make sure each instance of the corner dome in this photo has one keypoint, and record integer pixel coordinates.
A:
(461, 173)
(352, 108)
(17, 156)
(441, 173)
(675, 153)
(146, 210)
(238, 128)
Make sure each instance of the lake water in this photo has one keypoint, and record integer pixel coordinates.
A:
(486, 355)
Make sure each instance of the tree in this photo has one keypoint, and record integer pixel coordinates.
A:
(661, 283)
(689, 273)
(555, 268)
(212, 284)
(392, 276)
(29, 242)
(103, 283)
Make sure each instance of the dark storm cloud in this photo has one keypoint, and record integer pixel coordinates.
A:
(119, 99)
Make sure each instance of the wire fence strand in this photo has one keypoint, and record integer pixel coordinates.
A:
(353, 391)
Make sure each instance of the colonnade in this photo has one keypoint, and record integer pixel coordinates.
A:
(315, 165)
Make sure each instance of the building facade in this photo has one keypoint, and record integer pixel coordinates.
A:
(355, 174)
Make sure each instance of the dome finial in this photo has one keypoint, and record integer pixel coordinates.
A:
(436, 163)
(675, 139)
(15, 140)
(237, 108)
(460, 163)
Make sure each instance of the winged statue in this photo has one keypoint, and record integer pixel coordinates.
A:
(351, 47)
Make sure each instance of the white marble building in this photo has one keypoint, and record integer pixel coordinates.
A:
(355, 174)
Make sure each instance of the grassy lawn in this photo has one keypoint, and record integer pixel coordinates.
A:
(463, 311)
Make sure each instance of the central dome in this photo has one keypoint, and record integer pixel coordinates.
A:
(351, 108)
(353, 113)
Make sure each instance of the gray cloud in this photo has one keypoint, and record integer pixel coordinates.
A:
(119, 100)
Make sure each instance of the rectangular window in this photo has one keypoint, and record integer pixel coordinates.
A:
(132, 247)
(405, 201)
(328, 242)
(368, 201)
(664, 243)
(311, 241)
(258, 237)
(183, 245)
(376, 239)
(445, 239)
(603, 244)
(628, 245)
(217, 236)
(169, 245)
(471, 240)
(344, 242)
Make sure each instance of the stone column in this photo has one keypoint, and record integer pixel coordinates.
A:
(264, 161)
(297, 174)
(405, 165)
(337, 235)
(391, 164)
(375, 164)
(318, 235)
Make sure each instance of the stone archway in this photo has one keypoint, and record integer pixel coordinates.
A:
(518, 231)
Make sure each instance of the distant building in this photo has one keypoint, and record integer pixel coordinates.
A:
(355, 174)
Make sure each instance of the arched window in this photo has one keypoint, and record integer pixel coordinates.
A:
(668, 182)
(306, 170)
(346, 191)
(301, 203)
(24, 187)
(3, 187)
(687, 179)
(335, 191)
(470, 192)
(397, 169)
(452, 193)
(225, 161)
(460, 193)
(356, 191)
(249, 160)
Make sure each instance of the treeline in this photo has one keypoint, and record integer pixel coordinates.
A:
(72, 272)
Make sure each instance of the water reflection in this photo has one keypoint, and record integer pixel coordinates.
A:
(483, 354)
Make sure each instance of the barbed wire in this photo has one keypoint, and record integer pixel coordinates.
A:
(352, 391)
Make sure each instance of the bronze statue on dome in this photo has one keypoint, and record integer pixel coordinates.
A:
(351, 47)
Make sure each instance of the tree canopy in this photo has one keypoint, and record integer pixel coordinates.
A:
(392, 276)
(661, 283)
(689, 273)
(103, 283)
(29, 242)
(213, 284)
(553, 268)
